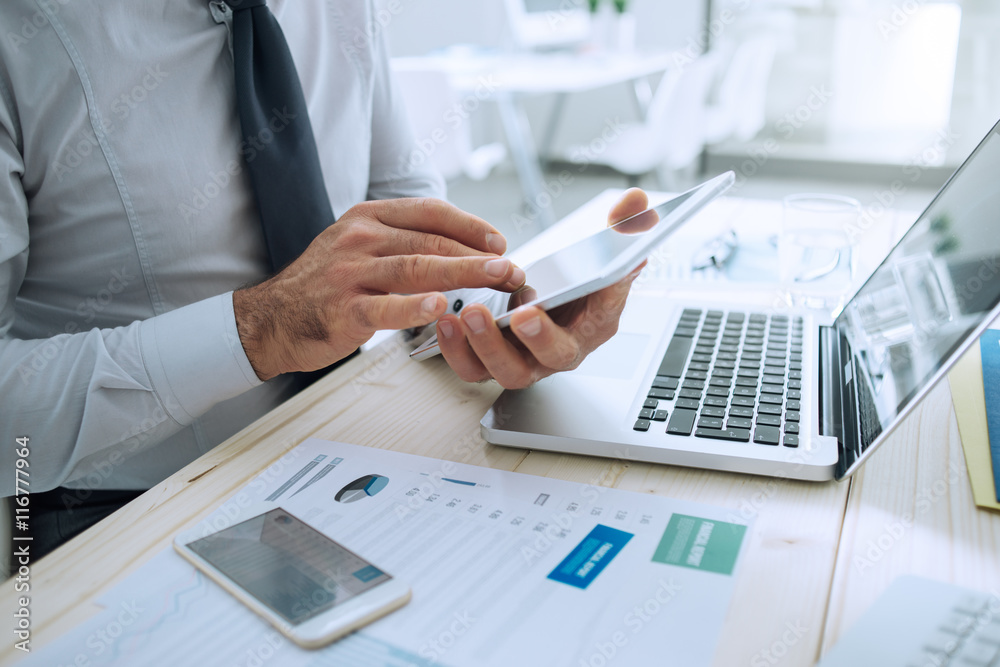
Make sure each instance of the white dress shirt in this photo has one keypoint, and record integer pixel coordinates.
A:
(127, 218)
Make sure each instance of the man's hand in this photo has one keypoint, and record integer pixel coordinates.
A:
(383, 265)
(541, 343)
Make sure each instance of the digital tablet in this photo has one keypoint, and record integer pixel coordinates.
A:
(596, 261)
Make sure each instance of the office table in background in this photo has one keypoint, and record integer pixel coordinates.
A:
(508, 78)
(819, 554)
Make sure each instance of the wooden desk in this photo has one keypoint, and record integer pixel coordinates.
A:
(819, 554)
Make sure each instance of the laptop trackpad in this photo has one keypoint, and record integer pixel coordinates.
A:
(618, 358)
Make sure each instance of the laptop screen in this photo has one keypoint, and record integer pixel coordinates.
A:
(936, 286)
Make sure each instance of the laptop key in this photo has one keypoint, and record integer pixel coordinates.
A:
(660, 416)
(692, 384)
(743, 401)
(791, 440)
(769, 420)
(792, 416)
(687, 404)
(664, 394)
(710, 422)
(701, 358)
(641, 425)
(769, 409)
(696, 375)
(771, 398)
(795, 384)
(718, 391)
(672, 364)
(725, 363)
(690, 393)
(794, 394)
(792, 405)
(791, 427)
(716, 401)
(745, 391)
(732, 434)
(651, 403)
(746, 382)
(720, 381)
(713, 412)
(739, 422)
(681, 422)
(766, 435)
(664, 383)
(771, 388)
(645, 413)
(740, 411)
(687, 332)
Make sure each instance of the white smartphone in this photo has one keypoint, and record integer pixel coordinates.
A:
(307, 586)
(596, 261)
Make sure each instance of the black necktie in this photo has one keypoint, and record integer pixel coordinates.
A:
(279, 146)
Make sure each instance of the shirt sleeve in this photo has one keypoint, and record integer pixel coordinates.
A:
(392, 136)
(117, 390)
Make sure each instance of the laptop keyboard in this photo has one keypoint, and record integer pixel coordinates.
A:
(729, 376)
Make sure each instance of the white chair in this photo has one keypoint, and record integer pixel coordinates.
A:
(443, 134)
(741, 98)
(671, 138)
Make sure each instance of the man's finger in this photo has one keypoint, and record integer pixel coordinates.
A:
(508, 365)
(398, 311)
(434, 216)
(457, 352)
(633, 201)
(408, 242)
(424, 273)
(553, 346)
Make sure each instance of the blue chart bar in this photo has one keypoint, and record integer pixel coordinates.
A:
(296, 477)
(590, 557)
(318, 476)
(457, 481)
(361, 649)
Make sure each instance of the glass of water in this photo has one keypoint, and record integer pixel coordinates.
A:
(816, 252)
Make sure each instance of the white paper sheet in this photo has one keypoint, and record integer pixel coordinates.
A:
(487, 554)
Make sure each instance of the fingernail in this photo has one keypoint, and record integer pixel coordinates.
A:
(445, 329)
(518, 277)
(475, 321)
(430, 304)
(531, 327)
(496, 243)
(498, 267)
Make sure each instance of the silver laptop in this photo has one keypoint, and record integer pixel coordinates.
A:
(718, 385)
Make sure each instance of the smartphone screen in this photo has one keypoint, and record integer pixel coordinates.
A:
(288, 566)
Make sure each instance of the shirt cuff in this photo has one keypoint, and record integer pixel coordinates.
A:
(194, 357)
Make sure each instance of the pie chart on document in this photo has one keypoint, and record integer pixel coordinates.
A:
(361, 488)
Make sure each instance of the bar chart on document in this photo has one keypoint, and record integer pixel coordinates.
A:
(505, 569)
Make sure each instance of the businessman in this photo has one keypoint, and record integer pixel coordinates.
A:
(164, 264)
